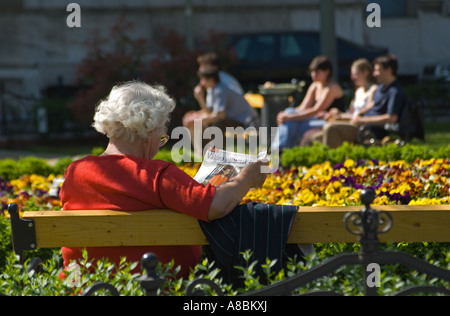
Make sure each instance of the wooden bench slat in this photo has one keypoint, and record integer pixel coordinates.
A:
(115, 228)
(166, 227)
(410, 223)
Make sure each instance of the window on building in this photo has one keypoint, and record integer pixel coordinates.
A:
(255, 49)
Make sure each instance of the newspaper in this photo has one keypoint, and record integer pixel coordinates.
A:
(220, 166)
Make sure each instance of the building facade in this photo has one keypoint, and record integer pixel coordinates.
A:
(39, 48)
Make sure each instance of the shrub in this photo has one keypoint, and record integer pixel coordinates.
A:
(33, 165)
(15, 280)
(61, 165)
(13, 169)
(5, 240)
(318, 153)
(9, 169)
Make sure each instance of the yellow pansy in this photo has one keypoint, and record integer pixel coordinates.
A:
(306, 197)
(349, 163)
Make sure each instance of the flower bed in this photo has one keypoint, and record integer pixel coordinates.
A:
(31, 192)
(398, 182)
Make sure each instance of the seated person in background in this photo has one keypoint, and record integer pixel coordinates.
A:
(223, 108)
(211, 58)
(388, 102)
(362, 77)
(125, 177)
(322, 94)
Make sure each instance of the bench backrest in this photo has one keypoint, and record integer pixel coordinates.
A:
(48, 229)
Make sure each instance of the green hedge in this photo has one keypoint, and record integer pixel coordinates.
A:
(297, 156)
(318, 153)
(13, 169)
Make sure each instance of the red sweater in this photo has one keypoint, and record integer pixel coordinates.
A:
(119, 182)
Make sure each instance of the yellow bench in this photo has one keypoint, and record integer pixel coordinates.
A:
(48, 229)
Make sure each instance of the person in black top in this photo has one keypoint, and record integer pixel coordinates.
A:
(389, 101)
(322, 94)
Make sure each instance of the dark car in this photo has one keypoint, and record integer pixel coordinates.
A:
(283, 56)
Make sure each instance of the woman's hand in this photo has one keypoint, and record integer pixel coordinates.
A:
(199, 92)
(230, 194)
(253, 173)
(330, 115)
(282, 118)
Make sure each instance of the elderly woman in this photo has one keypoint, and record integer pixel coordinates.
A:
(134, 118)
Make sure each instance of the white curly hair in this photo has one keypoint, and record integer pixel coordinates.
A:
(132, 110)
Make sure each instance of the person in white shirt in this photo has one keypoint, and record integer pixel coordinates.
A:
(362, 77)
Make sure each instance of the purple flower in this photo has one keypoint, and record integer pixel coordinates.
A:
(380, 178)
(349, 181)
(397, 197)
(359, 162)
(39, 192)
(24, 193)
